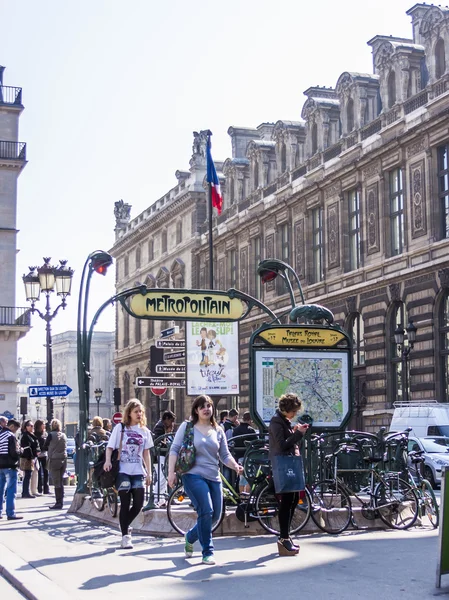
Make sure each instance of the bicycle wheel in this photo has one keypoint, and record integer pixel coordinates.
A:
(112, 501)
(430, 504)
(267, 510)
(331, 507)
(252, 461)
(397, 503)
(181, 514)
(96, 497)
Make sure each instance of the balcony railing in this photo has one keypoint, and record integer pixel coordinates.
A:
(10, 95)
(15, 316)
(13, 150)
(416, 102)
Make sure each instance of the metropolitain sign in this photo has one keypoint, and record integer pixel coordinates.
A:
(191, 305)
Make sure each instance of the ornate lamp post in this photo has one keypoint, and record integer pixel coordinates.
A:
(98, 393)
(63, 401)
(405, 350)
(47, 279)
(37, 405)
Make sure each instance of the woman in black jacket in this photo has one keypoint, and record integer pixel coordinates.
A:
(41, 435)
(30, 448)
(283, 441)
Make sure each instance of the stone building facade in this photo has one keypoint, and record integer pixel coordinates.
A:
(156, 248)
(14, 321)
(355, 196)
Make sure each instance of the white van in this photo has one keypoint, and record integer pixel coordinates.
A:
(425, 418)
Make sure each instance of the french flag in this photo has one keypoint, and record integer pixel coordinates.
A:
(212, 178)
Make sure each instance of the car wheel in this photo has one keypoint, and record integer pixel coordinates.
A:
(428, 474)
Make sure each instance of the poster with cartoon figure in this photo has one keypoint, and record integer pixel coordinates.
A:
(132, 447)
(212, 358)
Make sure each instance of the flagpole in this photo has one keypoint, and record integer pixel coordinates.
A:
(211, 244)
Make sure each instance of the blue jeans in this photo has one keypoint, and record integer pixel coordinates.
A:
(8, 479)
(207, 499)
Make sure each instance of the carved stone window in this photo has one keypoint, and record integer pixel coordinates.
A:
(440, 59)
(357, 330)
(150, 329)
(391, 85)
(138, 257)
(256, 249)
(179, 232)
(125, 330)
(444, 346)
(232, 268)
(350, 115)
(256, 175)
(354, 230)
(150, 250)
(397, 376)
(314, 139)
(126, 266)
(317, 245)
(137, 331)
(397, 232)
(284, 252)
(443, 189)
(126, 387)
(164, 242)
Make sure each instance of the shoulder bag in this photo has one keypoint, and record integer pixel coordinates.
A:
(186, 454)
(288, 474)
(107, 478)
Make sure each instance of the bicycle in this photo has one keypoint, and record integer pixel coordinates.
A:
(428, 505)
(260, 504)
(389, 497)
(99, 496)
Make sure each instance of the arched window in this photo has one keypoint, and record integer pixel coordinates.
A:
(440, 59)
(357, 330)
(350, 115)
(256, 175)
(443, 322)
(391, 89)
(314, 139)
(283, 158)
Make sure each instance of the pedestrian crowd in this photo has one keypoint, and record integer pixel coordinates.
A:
(41, 456)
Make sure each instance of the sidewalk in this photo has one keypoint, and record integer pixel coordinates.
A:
(52, 555)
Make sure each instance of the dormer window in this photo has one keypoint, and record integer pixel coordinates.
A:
(391, 89)
(440, 59)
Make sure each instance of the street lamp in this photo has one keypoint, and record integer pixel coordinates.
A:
(98, 393)
(37, 405)
(47, 279)
(405, 349)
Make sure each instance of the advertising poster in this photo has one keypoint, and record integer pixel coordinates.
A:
(212, 358)
(320, 379)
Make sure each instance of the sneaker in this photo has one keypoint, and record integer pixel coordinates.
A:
(126, 542)
(188, 548)
(14, 518)
(208, 560)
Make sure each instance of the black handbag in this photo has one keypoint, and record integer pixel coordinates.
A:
(107, 478)
(288, 474)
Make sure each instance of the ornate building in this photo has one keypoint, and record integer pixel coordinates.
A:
(355, 196)
(14, 321)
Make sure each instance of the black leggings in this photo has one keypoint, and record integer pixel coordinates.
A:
(287, 506)
(127, 514)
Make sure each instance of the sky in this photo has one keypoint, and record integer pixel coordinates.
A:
(113, 90)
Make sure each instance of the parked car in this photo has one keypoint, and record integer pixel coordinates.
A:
(71, 447)
(436, 455)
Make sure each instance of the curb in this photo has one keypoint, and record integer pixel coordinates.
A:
(24, 577)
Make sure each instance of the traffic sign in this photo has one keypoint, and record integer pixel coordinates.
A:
(42, 391)
(175, 355)
(170, 331)
(170, 344)
(117, 418)
(171, 369)
(158, 391)
(159, 382)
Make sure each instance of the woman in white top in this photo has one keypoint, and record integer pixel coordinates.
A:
(135, 464)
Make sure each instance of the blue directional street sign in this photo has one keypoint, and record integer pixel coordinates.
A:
(42, 391)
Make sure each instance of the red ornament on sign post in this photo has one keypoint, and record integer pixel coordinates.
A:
(158, 391)
(117, 418)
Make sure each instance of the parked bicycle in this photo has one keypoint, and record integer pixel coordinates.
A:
(100, 496)
(427, 502)
(387, 496)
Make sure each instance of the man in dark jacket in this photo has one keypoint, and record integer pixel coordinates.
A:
(9, 461)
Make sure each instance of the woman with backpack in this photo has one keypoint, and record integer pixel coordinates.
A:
(133, 441)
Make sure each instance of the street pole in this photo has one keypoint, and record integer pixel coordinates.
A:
(49, 368)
